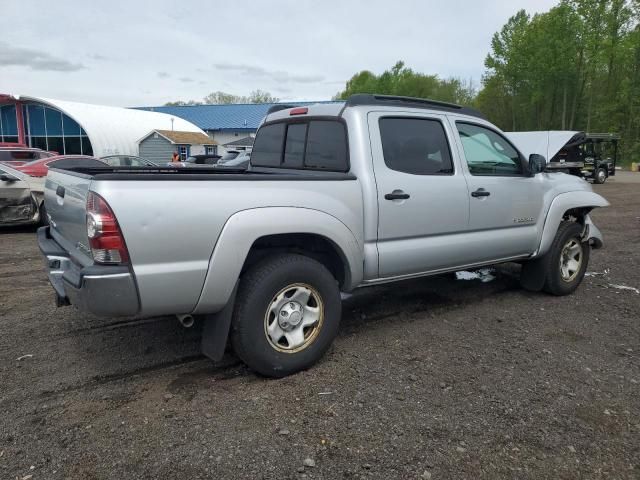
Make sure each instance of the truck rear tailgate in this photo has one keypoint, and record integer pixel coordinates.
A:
(65, 199)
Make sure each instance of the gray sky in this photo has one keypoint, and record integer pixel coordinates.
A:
(139, 52)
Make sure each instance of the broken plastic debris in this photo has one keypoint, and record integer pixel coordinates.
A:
(597, 274)
(624, 287)
(484, 275)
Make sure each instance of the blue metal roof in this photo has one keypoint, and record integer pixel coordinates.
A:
(246, 116)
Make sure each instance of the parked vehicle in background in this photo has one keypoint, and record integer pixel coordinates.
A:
(21, 155)
(22, 187)
(587, 155)
(230, 155)
(600, 152)
(240, 160)
(21, 198)
(338, 196)
(39, 168)
(127, 161)
(204, 159)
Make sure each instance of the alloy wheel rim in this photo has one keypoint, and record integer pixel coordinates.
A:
(600, 175)
(570, 260)
(294, 318)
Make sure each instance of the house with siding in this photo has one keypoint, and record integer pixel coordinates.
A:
(244, 143)
(225, 124)
(158, 145)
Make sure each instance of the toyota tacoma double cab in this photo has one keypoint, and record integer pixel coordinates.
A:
(337, 197)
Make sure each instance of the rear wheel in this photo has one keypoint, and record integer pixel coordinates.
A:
(568, 260)
(287, 314)
(600, 176)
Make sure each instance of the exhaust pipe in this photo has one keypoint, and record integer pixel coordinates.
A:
(186, 320)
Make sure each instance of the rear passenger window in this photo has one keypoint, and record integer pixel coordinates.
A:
(312, 144)
(415, 145)
(294, 148)
(267, 149)
(327, 146)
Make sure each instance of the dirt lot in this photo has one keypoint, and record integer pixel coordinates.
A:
(434, 378)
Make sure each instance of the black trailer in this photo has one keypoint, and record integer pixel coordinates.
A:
(592, 156)
(600, 155)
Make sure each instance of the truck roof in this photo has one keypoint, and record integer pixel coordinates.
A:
(282, 111)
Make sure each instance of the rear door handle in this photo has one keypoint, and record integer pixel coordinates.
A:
(397, 195)
(481, 192)
(60, 191)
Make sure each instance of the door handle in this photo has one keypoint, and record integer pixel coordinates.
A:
(60, 191)
(481, 192)
(397, 195)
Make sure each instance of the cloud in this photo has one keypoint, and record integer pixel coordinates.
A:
(97, 56)
(35, 60)
(186, 79)
(275, 75)
(163, 75)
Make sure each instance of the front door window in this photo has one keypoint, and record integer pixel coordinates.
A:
(487, 152)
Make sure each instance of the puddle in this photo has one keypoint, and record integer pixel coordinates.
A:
(484, 275)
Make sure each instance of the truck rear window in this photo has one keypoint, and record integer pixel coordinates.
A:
(311, 144)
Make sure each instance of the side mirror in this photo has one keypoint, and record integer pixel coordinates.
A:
(537, 163)
(5, 177)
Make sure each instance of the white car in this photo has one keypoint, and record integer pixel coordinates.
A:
(21, 198)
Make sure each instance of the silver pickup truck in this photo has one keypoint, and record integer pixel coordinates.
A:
(337, 197)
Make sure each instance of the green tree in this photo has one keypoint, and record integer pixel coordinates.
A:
(574, 67)
(401, 80)
(223, 98)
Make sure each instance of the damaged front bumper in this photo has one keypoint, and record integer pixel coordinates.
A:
(591, 233)
(19, 211)
(104, 290)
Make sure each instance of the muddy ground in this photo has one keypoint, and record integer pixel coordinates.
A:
(433, 378)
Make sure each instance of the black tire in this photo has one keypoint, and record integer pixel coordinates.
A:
(554, 282)
(258, 288)
(600, 176)
(43, 220)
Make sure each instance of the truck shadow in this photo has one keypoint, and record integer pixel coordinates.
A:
(121, 349)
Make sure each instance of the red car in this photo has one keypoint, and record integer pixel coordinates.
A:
(17, 155)
(39, 168)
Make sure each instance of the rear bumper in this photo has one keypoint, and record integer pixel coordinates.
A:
(103, 290)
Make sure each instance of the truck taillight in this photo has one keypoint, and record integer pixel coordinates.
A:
(105, 237)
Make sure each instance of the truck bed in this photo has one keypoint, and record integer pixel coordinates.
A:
(202, 173)
(172, 218)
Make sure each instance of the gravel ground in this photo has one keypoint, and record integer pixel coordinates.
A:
(433, 378)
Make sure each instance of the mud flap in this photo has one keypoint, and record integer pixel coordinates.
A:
(533, 274)
(216, 329)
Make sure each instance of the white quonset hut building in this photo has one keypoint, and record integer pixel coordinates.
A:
(80, 128)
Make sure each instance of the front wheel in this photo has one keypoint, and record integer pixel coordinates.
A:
(600, 176)
(287, 314)
(568, 260)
